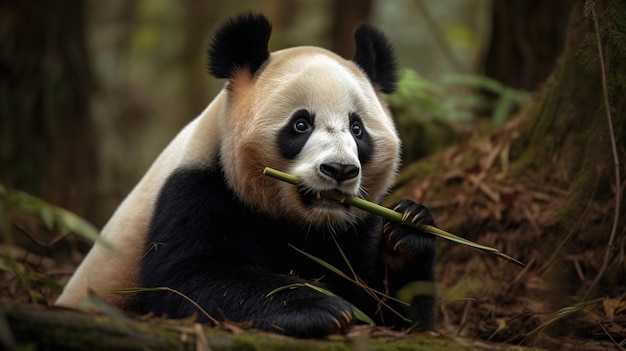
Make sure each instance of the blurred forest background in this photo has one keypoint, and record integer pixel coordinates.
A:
(114, 81)
(92, 91)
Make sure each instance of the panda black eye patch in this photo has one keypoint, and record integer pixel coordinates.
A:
(292, 137)
(356, 129)
(364, 142)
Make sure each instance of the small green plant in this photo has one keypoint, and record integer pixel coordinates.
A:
(57, 220)
(417, 96)
(506, 99)
(564, 312)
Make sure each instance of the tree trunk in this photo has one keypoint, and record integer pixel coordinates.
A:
(527, 37)
(346, 15)
(574, 141)
(47, 141)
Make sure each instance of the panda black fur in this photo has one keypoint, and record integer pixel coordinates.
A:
(206, 222)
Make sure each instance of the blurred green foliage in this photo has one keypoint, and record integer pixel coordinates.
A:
(504, 101)
(55, 219)
(432, 115)
(417, 95)
(57, 222)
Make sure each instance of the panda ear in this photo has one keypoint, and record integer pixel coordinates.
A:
(374, 54)
(238, 44)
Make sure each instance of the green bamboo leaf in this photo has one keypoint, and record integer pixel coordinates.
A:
(3, 265)
(563, 312)
(20, 272)
(50, 283)
(47, 216)
(362, 316)
(37, 297)
(416, 288)
(322, 262)
(52, 216)
(76, 224)
(284, 287)
(345, 258)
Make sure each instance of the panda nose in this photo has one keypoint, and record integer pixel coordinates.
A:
(339, 172)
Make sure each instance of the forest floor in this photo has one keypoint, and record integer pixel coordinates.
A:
(482, 298)
(553, 301)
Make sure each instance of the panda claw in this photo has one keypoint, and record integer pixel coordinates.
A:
(416, 218)
(390, 236)
(337, 323)
(398, 243)
(405, 216)
(347, 316)
(386, 226)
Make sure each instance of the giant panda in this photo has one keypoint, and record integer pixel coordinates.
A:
(205, 222)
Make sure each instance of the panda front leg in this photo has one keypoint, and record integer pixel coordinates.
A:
(408, 256)
(241, 294)
(306, 313)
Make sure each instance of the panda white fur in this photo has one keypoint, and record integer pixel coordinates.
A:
(205, 221)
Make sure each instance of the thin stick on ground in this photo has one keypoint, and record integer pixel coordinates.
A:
(607, 109)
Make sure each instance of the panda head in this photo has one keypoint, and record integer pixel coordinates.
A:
(308, 112)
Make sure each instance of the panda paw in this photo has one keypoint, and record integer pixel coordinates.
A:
(310, 317)
(402, 244)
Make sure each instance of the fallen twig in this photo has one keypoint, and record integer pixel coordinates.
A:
(607, 109)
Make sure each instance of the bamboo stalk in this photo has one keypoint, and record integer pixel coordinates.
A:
(390, 215)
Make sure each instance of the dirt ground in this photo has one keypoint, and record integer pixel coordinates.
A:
(553, 301)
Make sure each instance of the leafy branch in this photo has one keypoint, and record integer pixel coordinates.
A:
(13, 204)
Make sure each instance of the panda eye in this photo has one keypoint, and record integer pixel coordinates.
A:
(356, 129)
(301, 125)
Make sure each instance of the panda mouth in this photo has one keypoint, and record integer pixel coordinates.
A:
(325, 198)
